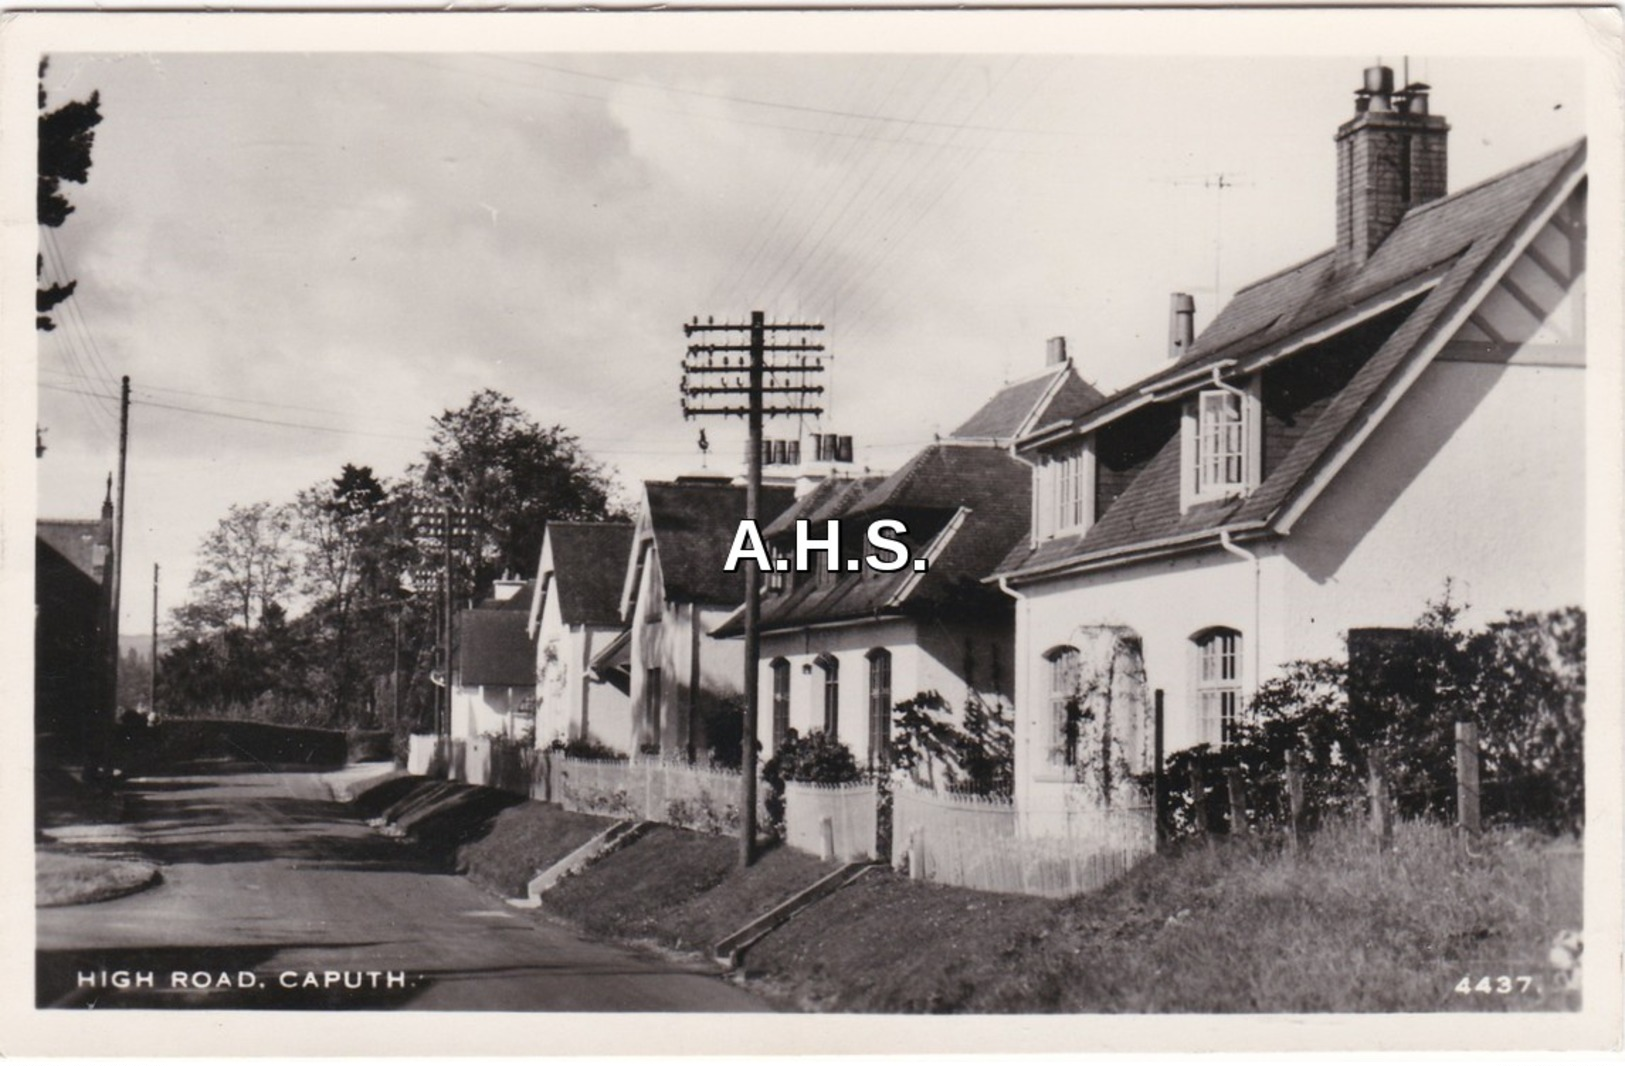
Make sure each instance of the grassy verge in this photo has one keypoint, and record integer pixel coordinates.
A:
(524, 840)
(1229, 928)
(1238, 928)
(680, 889)
(64, 879)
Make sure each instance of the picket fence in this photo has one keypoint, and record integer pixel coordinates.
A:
(656, 790)
(972, 841)
(850, 809)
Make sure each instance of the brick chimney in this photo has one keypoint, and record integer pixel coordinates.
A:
(1390, 158)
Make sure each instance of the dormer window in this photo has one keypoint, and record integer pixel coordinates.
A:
(1064, 491)
(1220, 445)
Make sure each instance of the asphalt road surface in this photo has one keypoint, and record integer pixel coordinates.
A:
(274, 896)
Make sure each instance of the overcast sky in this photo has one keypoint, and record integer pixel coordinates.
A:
(346, 245)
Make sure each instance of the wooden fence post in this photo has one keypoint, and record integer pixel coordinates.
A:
(916, 854)
(1159, 785)
(1382, 822)
(1294, 796)
(1467, 810)
(1238, 801)
(826, 835)
(1198, 800)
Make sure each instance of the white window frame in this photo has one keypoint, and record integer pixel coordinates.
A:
(1063, 666)
(1216, 673)
(1220, 460)
(1064, 490)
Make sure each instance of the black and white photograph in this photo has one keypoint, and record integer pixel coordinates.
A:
(1084, 521)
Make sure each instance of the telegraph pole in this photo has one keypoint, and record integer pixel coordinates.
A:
(786, 382)
(152, 679)
(449, 529)
(113, 577)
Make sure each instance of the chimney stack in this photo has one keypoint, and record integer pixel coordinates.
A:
(1390, 158)
(1055, 351)
(1181, 325)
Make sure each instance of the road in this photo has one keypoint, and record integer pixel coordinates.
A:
(275, 896)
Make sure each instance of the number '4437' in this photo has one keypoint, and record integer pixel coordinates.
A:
(1503, 985)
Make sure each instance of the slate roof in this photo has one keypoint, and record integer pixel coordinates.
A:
(1457, 239)
(494, 649)
(983, 478)
(589, 568)
(1023, 406)
(694, 525)
(75, 540)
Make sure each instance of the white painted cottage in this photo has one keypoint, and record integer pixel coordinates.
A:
(1404, 408)
(575, 612)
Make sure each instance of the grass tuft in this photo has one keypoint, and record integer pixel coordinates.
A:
(64, 879)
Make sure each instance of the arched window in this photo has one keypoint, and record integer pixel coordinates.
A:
(879, 706)
(781, 701)
(832, 694)
(1064, 666)
(1218, 683)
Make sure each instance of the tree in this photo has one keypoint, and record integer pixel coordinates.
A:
(245, 568)
(492, 458)
(343, 530)
(65, 139)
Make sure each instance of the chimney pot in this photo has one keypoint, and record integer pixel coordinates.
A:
(1054, 351)
(1379, 80)
(1181, 324)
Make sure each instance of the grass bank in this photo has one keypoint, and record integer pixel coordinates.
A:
(524, 840)
(679, 889)
(64, 879)
(1230, 928)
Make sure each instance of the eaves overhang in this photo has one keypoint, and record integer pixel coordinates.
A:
(1134, 553)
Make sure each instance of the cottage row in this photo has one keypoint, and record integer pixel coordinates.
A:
(1404, 408)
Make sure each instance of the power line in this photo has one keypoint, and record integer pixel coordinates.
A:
(233, 417)
(802, 108)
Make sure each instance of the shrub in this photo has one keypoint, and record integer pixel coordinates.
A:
(586, 748)
(1520, 679)
(977, 757)
(817, 758)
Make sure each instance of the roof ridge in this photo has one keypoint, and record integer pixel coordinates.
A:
(1567, 149)
(1419, 210)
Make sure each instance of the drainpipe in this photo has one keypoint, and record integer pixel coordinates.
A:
(1242, 553)
(1226, 386)
(1018, 670)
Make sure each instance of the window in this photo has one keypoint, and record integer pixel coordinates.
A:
(775, 576)
(651, 707)
(832, 694)
(1221, 445)
(1064, 491)
(1064, 670)
(879, 706)
(1218, 684)
(781, 702)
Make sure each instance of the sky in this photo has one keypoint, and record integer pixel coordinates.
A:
(300, 259)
